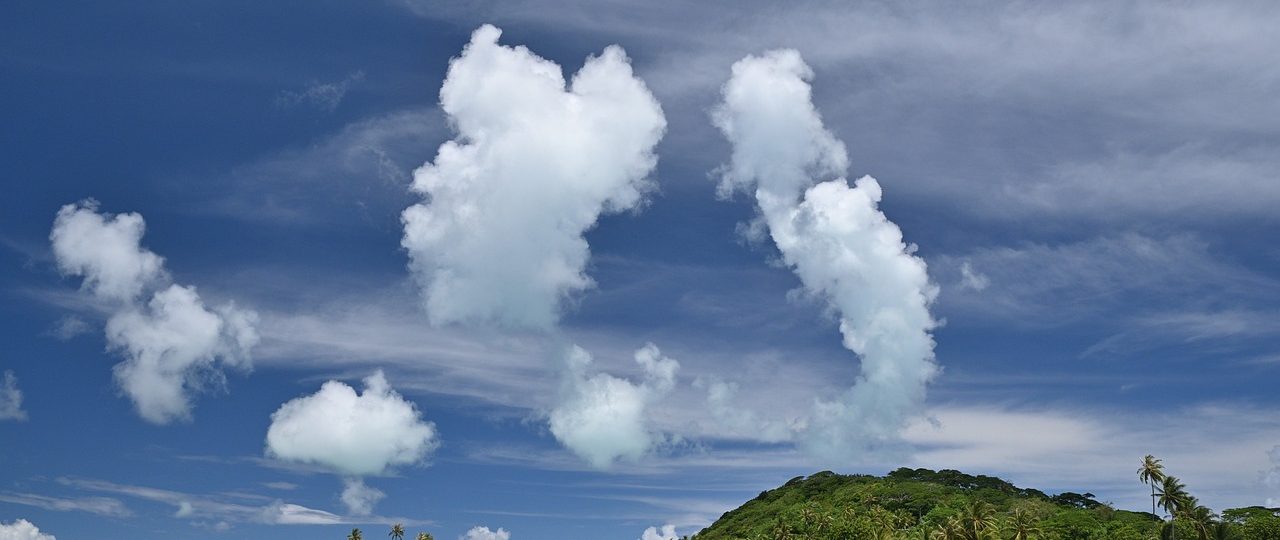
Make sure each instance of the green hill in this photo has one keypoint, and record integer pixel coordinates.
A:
(920, 504)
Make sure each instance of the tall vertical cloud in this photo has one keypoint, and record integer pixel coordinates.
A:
(601, 418)
(172, 343)
(11, 399)
(534, 164)
(836, 240)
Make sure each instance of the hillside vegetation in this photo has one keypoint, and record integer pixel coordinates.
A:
(921, 504)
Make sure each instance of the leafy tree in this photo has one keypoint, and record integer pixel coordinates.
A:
(355, 535)
(397, 532)
(425, 536)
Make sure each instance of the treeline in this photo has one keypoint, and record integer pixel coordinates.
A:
(922, 504)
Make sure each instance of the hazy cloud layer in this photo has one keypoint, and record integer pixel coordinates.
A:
(533, 166)
(323, 96)
(843, 249)
(351, 433)
(173, 345)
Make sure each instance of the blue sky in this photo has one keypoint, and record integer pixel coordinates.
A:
(1091, 188)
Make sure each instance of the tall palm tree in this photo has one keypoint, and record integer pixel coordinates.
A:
(397, 532)
(425, 536)
(355, 535)
(1022, 525)
(1151, 473)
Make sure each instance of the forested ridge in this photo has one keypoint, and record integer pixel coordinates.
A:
(922, 504)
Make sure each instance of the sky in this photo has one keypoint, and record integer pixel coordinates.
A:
(534, 270)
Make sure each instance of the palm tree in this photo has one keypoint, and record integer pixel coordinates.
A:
(1172, 495)
(425, 536)
(355, 535)
(1202, 518)
(1022, 525)
(1223, 531)
(949, 530)
(979, 520)
(397, 532)
(1151, 473)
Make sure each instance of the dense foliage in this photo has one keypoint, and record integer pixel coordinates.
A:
(921, 504)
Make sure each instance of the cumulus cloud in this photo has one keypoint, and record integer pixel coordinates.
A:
(105, 250)
(601, 418)
(172, 343)
(350, 433)
(360, 498)
(22, 530)
(483, 533)
(836, 240)
(667, 532)
(11, 399)
(533, 166)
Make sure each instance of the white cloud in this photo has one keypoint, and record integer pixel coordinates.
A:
(843, 249)
(532, 168)
(602, 418)
(102, 506)
(11, 399)
(351, 433)
(22, 530)
(360, 498)
(667, 532)
(483, 533)
(106, 250)
(173, 345)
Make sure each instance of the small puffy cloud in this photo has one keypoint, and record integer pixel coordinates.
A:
(11, 399)
(602, 418)
(351, 433)
(844, 250)
(22, 530)
(667, 532)
(172, 343)
(105, 250)
(360, 498)
(483, 533)
(533, 166)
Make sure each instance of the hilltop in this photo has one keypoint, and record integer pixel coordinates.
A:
(922, 504)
